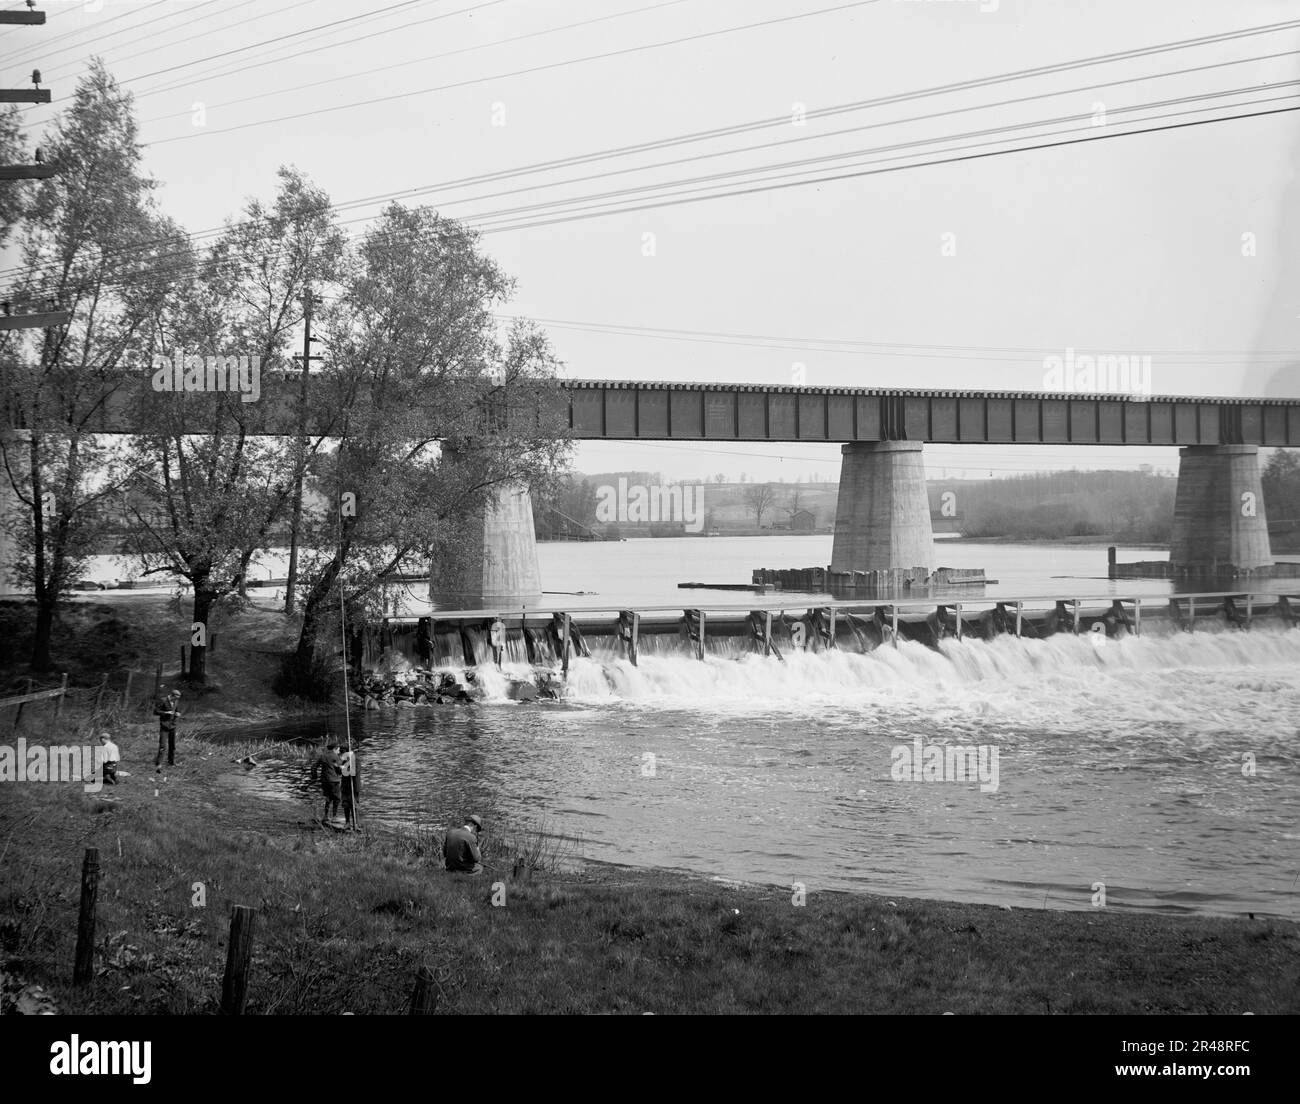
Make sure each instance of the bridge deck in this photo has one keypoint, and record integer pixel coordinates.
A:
(639, 409)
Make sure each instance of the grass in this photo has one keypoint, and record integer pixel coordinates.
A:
(116, 632)
(345, 921)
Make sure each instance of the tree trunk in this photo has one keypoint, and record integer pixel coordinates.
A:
(204, 597)
(41, 660)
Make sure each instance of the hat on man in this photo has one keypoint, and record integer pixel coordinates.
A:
(475, 820)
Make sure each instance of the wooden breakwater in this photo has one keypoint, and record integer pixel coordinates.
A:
(886, 583)
(468, 638)
(1163, 569)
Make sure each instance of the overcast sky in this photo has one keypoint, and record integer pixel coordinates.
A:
(1182, 245)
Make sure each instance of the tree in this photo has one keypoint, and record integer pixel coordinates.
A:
(759, 497)
(795, 503)
(214, 473)
(437, 412)
(1280, 482)
(14, 195)
(93, 243)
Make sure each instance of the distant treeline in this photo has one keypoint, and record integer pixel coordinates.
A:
(1132, 507)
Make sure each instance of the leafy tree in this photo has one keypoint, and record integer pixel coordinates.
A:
(215, 477)
(14, 195)
(436, 414)
(1280, 481)
(759, 497)
(93, 243)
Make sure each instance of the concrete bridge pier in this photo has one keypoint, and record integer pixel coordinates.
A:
(1219, 519)
(882, 519)
(498, 565)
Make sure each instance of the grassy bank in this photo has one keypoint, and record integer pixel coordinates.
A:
(345, 920)
(107, 635)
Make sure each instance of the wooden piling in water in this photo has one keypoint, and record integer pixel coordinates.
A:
(564, 646)
(239, 953)
(83, 970)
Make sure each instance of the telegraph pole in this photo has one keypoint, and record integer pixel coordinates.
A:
(26, 317)
(301, 445)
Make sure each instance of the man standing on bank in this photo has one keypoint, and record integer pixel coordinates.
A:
(168, 713)
(460, 849)
(329, 766)
(109, 757)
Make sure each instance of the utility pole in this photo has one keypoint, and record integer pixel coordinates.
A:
(300, 460)
(29, 318)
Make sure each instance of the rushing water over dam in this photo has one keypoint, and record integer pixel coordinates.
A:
(1166, 767)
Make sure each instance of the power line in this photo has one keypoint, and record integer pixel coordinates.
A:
(837, 109)
(783, 120)
(371, 102)
(1025, 354)
(712, 178)
(7, 58)
(281, 38)
(710, 189)
(598, 210)
(59, 67)
(393, 65)
(217, 72)
(758, 189)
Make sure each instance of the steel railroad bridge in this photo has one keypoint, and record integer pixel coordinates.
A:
(883, 516)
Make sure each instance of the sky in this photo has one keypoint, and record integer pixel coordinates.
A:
(1181, 245)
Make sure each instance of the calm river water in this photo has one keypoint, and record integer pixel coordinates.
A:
(1167, 768)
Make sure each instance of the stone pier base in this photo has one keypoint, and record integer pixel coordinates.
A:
(497, 566)
(882, 520)
(1219, 519)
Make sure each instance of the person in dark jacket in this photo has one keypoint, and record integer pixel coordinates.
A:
(329, 766)
(168, 712)
(460, 850)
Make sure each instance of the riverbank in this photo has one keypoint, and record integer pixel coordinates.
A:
(346, 920)
(118, 639)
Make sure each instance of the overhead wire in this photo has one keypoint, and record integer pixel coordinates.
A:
(835, 109)
(587, 206)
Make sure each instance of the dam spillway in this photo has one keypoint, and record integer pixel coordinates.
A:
(551, 639)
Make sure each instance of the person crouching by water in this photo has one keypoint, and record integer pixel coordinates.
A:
(351, 787)
(329, 766)
(109, 756)
(460, 849)
(168, 712)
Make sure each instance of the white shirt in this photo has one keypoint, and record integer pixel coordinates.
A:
(108, 752)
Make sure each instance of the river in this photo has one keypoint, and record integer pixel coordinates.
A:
(1162, 772)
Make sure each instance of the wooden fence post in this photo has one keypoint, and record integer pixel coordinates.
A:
(83, 972)
(63, 693)
(99, 698)
(239, 952)
(126, 694)
(424, 999)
